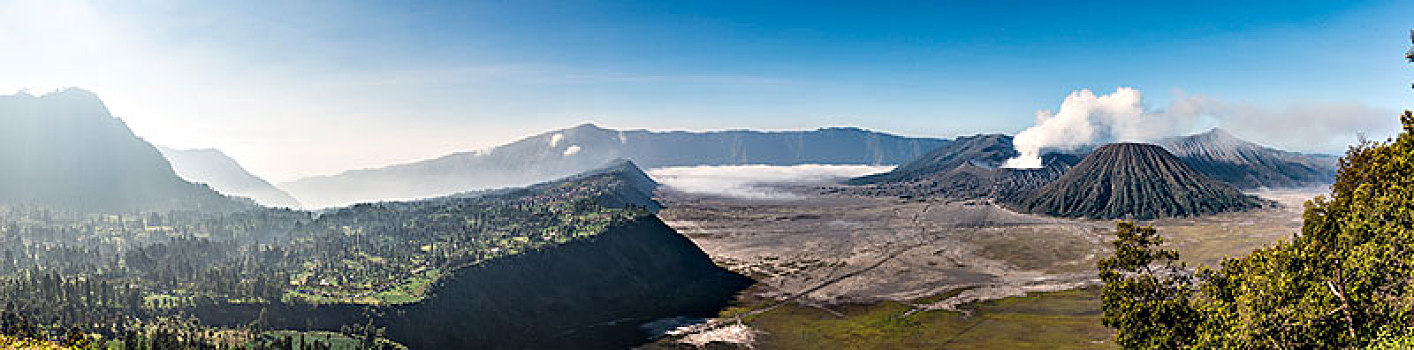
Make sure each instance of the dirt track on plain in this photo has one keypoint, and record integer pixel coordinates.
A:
(820, 248)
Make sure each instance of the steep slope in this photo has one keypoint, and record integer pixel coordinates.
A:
(1132, 180)
(636, 187)
(988, 150)
(215, 169)
(63, 149)
(630, 186)
(1244, 164)
(565, 152)
(594, 291)
(589, 294)
(967, 168)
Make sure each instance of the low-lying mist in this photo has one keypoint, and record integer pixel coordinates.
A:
(755, 181)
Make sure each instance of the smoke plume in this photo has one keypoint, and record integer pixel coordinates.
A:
(1085, 119)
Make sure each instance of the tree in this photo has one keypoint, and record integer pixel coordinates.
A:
(1146, 292)
(1346, 280)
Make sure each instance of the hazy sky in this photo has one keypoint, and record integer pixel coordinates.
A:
(295, 88)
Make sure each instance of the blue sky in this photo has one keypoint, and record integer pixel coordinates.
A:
(304, 88)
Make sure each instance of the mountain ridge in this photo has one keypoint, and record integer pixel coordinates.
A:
(66, 150)
(1245, 164)
(967, 168)
(564, 152)
(224, 174)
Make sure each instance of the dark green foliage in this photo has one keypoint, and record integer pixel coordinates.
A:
(105, 273)
(1146, 293)
(1344, 281)
(1346, 278)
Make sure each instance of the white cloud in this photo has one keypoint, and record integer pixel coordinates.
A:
(1087, 119)
(555, 139)
(1310, 126)
(1083, 119)
(571, 150)
(754, 181)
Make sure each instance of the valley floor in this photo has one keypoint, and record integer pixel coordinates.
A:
(826, 262)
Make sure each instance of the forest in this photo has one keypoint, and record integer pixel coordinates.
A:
(86, 278)
(1343, 281)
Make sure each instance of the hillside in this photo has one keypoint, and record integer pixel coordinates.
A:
(1131, 180)
(601, 281)
(65, 150)
(586, 250)
(600, 291)
(225, 175)
(967, 168)
(988, 150)
(565, 152)
(1244, 164)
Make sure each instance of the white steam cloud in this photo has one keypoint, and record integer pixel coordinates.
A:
(755, 181)
(1306, 126)
(1085, 119)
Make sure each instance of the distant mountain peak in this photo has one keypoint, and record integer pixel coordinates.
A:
(214, 168)
(77, 99)
(1245, 164)
(65, 149)
(588, 126)
(1218, 135)
(73, 91)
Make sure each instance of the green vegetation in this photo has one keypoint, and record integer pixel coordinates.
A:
(120, 274)
(1145, 292)
(1056, 320)
(1344, 281)
(412, 291)
(320, 340)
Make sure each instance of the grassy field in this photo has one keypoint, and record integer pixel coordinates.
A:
(1057, 320)
(414, 290)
